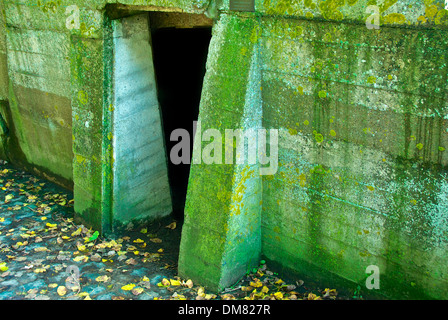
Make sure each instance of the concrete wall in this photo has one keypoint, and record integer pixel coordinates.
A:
(37, 50)
(363, 166)
(140, 186)
(362, 176)
(362, 116)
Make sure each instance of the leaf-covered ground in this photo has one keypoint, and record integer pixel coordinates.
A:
(45, 255)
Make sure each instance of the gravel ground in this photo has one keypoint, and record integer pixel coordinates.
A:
(45, 255)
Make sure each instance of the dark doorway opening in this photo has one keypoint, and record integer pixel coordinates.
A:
(179, 60)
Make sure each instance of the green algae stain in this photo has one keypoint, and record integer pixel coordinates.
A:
(329, 9)
(442, 17)
(83, 97)
(292, 132)
(319, 137)
(395, 18)
(322, 94)
(371, 79)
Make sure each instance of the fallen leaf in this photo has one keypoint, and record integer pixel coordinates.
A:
(77, 232)
(41, 249)
(279, 281)
(137, 291)
(278, 295)
(61, 290)
(174, 282)
(131, 261)
(3, 267)
(82, 258)
(172, 225)
(51, 225)
(104, 278)
(189, 283)
(52, 285)
(138, 241)
(93, 237)
(256, 284)
(166, 282)
(156, 240)
(128, 287)
(144, 230)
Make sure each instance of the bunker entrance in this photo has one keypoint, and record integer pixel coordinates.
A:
(179, 56)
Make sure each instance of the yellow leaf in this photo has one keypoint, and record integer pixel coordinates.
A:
(279, 281)
(138, 241)
(51, 225)
(144, 230)
(166, 282)
(41, 249)
(3, 267)
(172, 225)
(128, 287)
(155, 240)
(209, 296)
(265, 289)
(81, 247)
(52, 285)
(278, 295)
(102, 278)
(61, 290)
(43, 218)
(145, 278)
(77, 232)
(81, 258)
(189, 283)
(256, 284)
(174, 282)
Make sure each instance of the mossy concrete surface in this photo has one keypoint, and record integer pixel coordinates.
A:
(362, 117)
